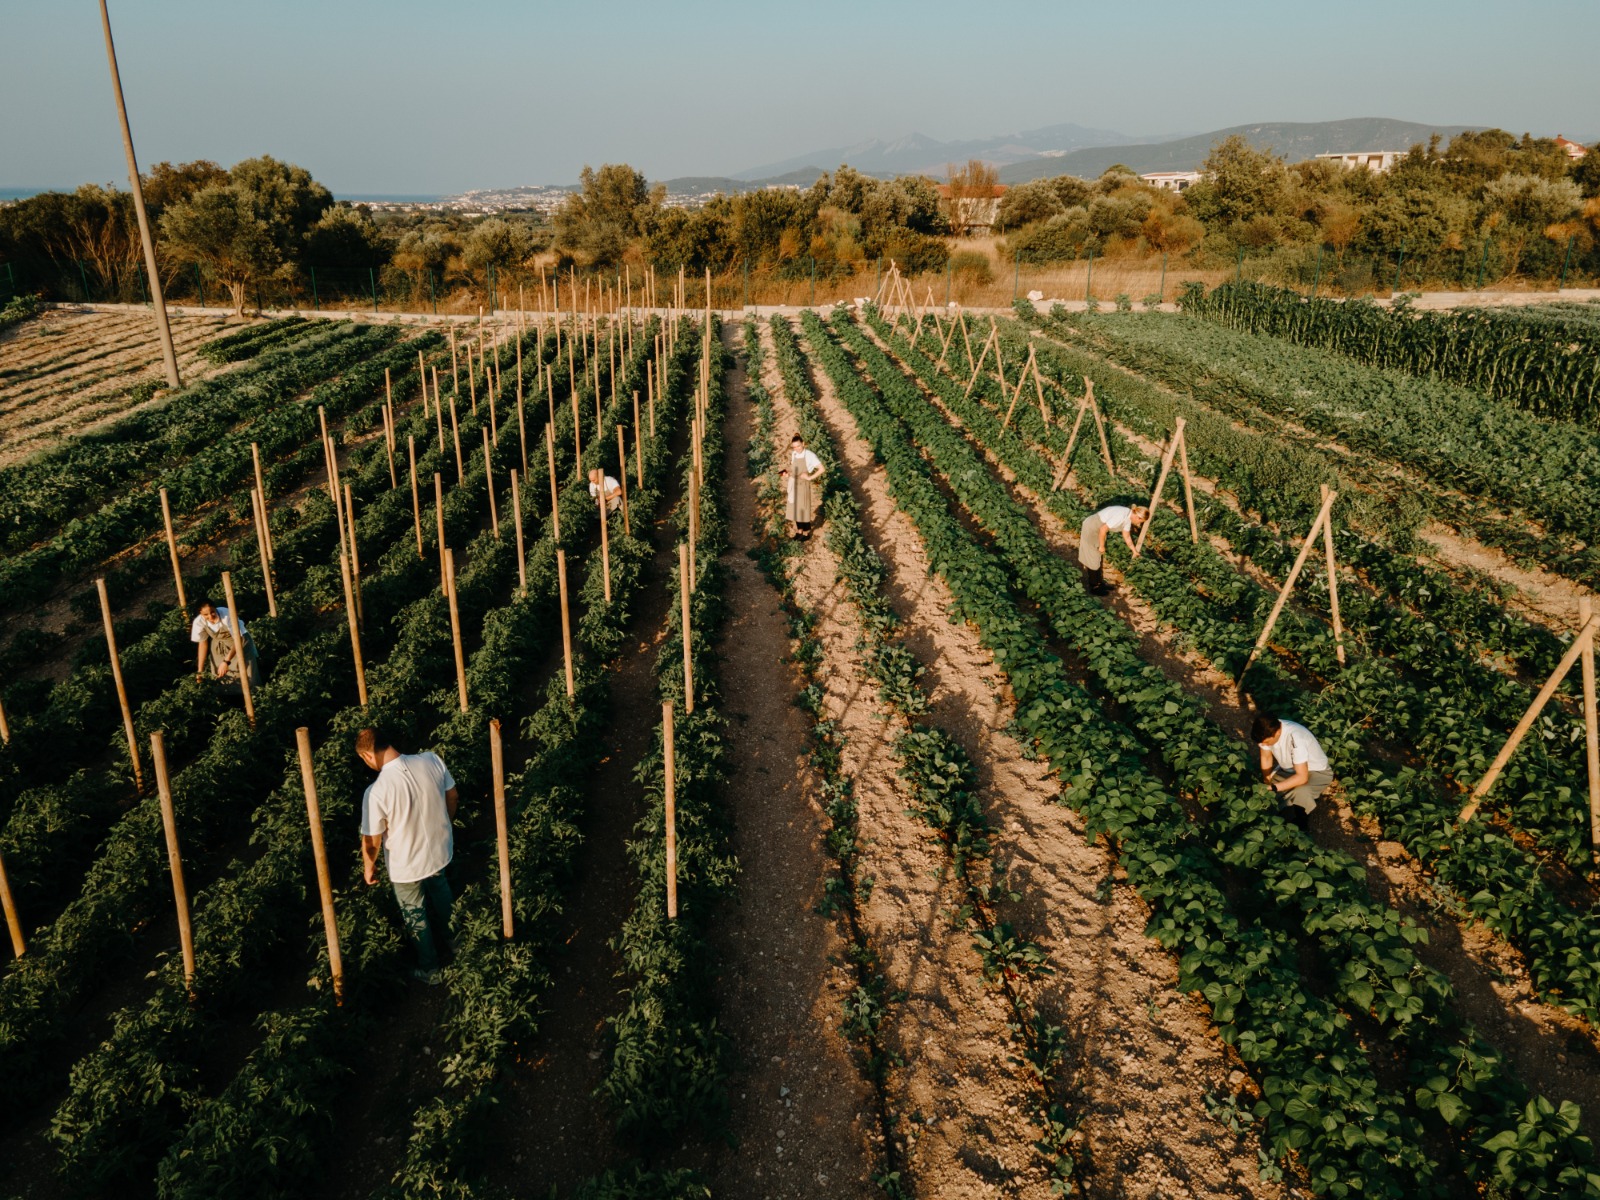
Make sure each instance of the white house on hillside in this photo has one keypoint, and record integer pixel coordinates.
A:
(1172, 181)
(1376, 161)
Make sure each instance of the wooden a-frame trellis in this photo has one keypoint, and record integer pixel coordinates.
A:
(1091, 407)
(1580, 651)
(1323, 525)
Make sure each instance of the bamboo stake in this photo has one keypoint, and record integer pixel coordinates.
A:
(497, 757)
(671, 801)
(566, 620)
(1288, 585)
(605, 539)
(455, 366)
(638, 453)
(388, 429)
(516, 509)
(438, 409)
(172, 550)
(1161, 482)
(422, 376)
(1072, 441)
(1333, 575)
(1585, 638)
(685, 586)
(319, 851)
(455, 627)
(455, 432)
(352, 612)
(488, 481)
(978, 366)
(438, 512)
(5, 728)
(522, 427)
(555, 496)
(13, 921)
(238, 645)
(416, 496)
(355, 557)
(650, 384)
(1591, 728)
(122, 691)
(261, 486)
(169, 826)
(622, 477)
(261, 545)
(1017, 395)
(488, 399)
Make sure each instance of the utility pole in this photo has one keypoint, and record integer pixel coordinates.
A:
(167, 352)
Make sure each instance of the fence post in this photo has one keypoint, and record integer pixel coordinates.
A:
(1398, 263)
(1316, 278)
(1161, 290)
(316, 298)
(813, 281)
(1088, 281)
(372, 282)
(1016, 272)
(200, 285)
(1565, 262)
(83, 278)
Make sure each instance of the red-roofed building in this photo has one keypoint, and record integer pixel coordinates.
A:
(1575, 150)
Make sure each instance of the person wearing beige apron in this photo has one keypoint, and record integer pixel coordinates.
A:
(212, 633)
(804, 469)
(1092, 540)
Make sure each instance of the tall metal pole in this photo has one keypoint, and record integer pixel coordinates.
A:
(159, 301)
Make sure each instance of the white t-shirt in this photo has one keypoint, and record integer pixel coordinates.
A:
(407, 804)
(1118, 518)
(1294, 746)
(200, 628)
(811, 461)
(611, 486)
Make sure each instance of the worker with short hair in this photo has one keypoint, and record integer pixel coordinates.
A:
(1292, 763)
(408, 812)
(599, 479)
(1120, 518)
(212, 632)
(800, 476)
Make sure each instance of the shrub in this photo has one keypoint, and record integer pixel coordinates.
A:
(972, 266)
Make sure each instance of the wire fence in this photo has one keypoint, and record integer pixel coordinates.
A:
(972, 281)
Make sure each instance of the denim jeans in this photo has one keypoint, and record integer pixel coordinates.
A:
(425, 908)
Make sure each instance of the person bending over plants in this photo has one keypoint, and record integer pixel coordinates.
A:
(599, 479)
(802, 473)
(1293, 765)
(212, 633)
(408, 813)
(1092, 540)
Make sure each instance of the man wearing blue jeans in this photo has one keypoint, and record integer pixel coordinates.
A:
(408, 812)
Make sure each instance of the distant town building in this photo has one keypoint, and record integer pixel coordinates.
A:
(974, 213)
(1376, 161)
(1172, 181)
(1574, 150)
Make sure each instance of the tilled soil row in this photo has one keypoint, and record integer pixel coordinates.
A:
(1149, 1065)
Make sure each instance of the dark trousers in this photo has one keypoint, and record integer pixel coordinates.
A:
(425, 908)
(1094, 580)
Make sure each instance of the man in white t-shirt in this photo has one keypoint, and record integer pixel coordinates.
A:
(598, 479)
(212, 633)
(1292, 763)
(1114, 518)
(408, 813)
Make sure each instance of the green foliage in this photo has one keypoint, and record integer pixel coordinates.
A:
(18, 310)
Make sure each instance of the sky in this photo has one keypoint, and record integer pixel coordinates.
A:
(401, 96)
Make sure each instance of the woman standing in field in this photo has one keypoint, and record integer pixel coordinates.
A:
(805, 468)
(1092, 540)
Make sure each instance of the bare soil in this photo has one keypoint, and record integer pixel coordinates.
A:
(1146, 1057)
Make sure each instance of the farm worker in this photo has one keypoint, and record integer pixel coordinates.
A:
(804, 469)
(212, 633)
(1092, 540)
(1292, 763)
(598, 479)
(408, 813)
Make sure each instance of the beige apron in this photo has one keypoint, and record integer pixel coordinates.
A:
(802, 506)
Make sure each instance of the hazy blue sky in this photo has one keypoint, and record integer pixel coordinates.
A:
(403, 96)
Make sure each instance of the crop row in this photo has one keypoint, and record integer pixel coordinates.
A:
(1478, 454)
(1545, 364)
(251, 340)
(943, 784)
(108, 1119)
(1377, 1138)
(1185, 595)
